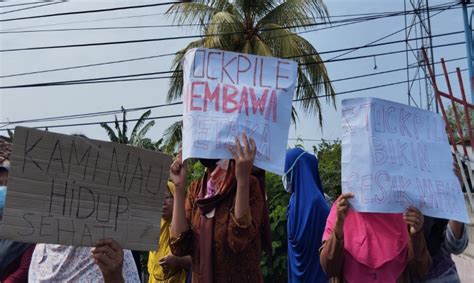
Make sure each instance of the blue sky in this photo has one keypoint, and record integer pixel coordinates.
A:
(27, 103)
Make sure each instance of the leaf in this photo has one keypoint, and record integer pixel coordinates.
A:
(172, 137)
(110, 132)
(119, 132)
(138, 125)
(124, 126)
(143, 132)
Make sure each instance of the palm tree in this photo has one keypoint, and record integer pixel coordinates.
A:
(137, 137)
(260, 27)
(172, 138)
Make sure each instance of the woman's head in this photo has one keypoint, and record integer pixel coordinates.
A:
(167, 212)
(297, 161)
(208, 163)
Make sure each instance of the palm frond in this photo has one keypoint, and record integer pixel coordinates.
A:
(176, 83)
(119, 131)
(224, 31)
(313, 77)
(138, 125)
(172, 137)
(294, 116)
(141, 134)
(298, 14)
(112, 136)
(193, 13)
(124, 125)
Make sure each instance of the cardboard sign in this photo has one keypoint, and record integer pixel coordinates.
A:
(226, 94)
(395, 156)
(74, 191)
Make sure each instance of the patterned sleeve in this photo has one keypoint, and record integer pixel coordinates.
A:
(244, 230)
(182, 245)
(129, 269)
(452, 245)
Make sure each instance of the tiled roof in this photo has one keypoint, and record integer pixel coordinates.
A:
(5, 148)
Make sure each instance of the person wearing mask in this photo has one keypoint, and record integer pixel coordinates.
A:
(163, 266)
(15, 257)
(373, 247)
(307, 213)
(219, 222)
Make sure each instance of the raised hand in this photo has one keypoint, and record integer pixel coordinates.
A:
(108, 255)
(244, 155)
(178, 172)
(342, 207)
(415, 219)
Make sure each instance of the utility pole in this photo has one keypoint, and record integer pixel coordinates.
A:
(468, 35)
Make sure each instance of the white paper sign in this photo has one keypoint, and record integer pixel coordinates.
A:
(226, 94)
(395, 156)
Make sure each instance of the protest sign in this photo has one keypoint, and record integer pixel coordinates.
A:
(74, 191)
(395, 156)
(226, 94)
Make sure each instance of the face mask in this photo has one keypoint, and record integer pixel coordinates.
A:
(287, 179)
(3, 193)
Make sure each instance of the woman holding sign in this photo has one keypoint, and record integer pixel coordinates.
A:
(219, 223)
(373, 247)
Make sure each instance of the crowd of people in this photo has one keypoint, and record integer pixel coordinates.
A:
(215, 229)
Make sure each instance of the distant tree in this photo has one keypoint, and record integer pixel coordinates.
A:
(138, 133)
(329, 157)
(463, 121)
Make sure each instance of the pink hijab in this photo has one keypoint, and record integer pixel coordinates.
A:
(374, 242)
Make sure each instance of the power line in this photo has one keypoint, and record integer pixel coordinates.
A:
(350, 21)
(379, 54)
(89, 65)
(159, 39)
(125, 78)
(157, 14)
(371, 87)
(89, 11)
(373, 45)
(178, 103)
(172, 54)
(89, 115)
(116, 78)
(21, 4)
(29, 8)
(383, 37)
(97, 123)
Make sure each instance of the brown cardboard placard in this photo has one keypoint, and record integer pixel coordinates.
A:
(74, 191)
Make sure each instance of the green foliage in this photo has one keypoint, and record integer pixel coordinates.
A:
(172, 137)
(278, 198)
(463, 121)
(137, 138)
(329, 157)
(195, 170)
